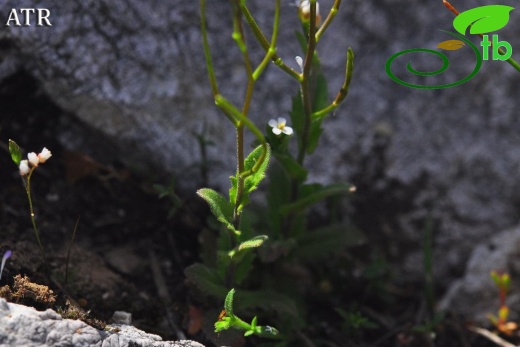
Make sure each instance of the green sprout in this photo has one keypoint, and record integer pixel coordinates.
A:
(502, 281)
(228, 320)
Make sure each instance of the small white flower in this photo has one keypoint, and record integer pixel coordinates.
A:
(44, 155)
(305, 11)
(24, 167)
(33, 159)
(299, 61)
(280, 127)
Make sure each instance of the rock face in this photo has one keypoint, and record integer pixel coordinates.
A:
(24, 326)
(475, 295)
(135, 71)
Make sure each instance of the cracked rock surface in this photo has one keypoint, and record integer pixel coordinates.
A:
(24, 326)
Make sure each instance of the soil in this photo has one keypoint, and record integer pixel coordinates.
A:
(128, 255)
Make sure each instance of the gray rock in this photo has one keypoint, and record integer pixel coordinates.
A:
(475, 295)
(122, 317)
(24, 326)
(134, 71)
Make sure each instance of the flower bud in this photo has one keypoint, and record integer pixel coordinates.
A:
(304, 11)
(24, 167)
(33, 159)
(44, 155)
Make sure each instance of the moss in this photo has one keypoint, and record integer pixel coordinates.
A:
(24, 291)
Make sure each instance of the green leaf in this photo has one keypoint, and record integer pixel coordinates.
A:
(228, 303)
(321, 100)
(268, 331)
(278, 194)
(316, 196)
(244, 266)
(297, 116)
(223, 324)
(302, 40)
(483, 19)
(314, 135)
(219, 206)
(321, 96)
(291, 166)
(326, 241)
(256, 241)
(269, 301)
(251, 182)
(274, 250)
(207, 280)
(16, 153)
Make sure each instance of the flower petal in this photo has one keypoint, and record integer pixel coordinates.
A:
(273, 123)
(277, 131)
(24, 167)
(33, 159)
(299, 61)
(44, 155)
(287, 130)
(281, 121)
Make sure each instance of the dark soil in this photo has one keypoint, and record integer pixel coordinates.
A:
(124, 235)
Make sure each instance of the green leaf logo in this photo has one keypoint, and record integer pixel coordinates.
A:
(483, 19)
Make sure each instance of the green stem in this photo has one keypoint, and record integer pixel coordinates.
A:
(209, 61)
(239, 37)
(265, 44)
(33, 219)
(342, 94)
(305, 83)
(328, 20)
(223, 103)
(272, 48)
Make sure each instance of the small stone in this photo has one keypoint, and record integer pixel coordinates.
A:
(122, 317)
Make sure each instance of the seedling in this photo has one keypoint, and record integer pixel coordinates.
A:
(502, 281)
(227, 320)
(27, 167)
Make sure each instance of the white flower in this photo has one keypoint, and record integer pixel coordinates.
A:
(24, 167)
(299, 61)
(44, 155)
(305, 11)
(33, 159)
(280, 127)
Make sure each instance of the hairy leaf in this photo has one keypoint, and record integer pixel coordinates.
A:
(321, 94)
(220, 207)
(251, 182)
(316, 196)
(228, 303)
(297, 116)
(269, 301)
(328, 240)
(255, 242)
(291, 166)
(207, 280)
